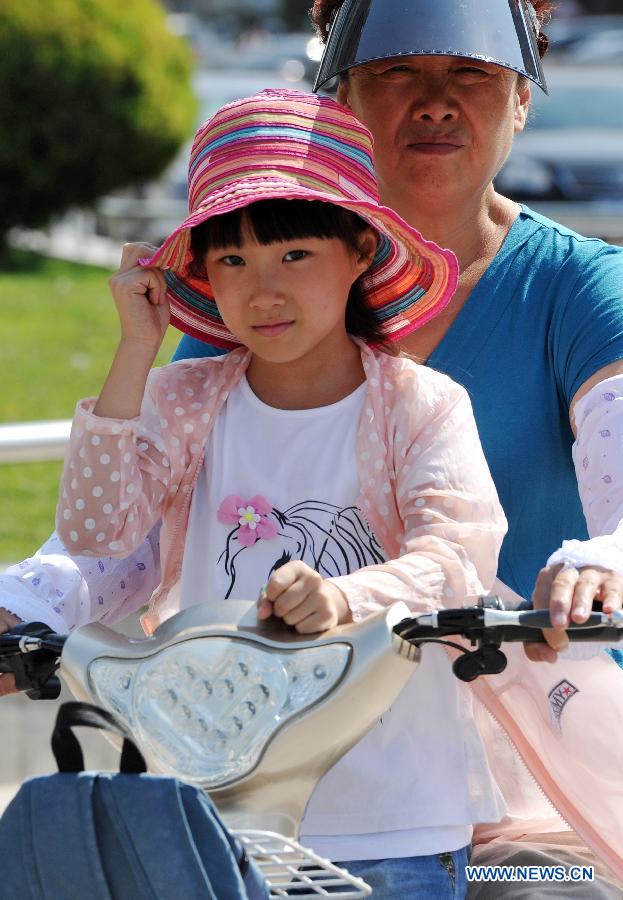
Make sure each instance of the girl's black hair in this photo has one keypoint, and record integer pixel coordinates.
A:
(271, 221)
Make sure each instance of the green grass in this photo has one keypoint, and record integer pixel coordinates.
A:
(58, 331)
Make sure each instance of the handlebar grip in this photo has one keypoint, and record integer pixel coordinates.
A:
(521, 633)
(539, 618)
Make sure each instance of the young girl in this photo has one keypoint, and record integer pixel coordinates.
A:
(310, 466)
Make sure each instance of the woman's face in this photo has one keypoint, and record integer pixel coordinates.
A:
(443, 125)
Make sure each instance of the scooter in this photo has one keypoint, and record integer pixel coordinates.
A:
(242, 709)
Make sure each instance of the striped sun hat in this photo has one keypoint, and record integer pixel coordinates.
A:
(284, 144)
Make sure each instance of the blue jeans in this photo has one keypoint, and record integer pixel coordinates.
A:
(440, 876)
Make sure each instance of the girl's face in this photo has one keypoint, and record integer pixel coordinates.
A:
(287, 300)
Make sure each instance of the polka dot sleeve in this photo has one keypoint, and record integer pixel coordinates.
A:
(597, 455)
(119, 474)
(599, 469)
(440, 498)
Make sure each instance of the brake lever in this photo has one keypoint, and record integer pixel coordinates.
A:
(31, 653)
(488, 625)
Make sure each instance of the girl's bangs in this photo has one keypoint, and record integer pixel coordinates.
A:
(272, 221)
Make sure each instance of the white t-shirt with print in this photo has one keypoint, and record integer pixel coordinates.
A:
(295, 473)
(282, 484)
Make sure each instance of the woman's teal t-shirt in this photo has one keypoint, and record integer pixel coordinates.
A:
(545, 316)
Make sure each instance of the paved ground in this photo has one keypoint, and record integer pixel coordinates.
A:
(26, 727)
(6, 793)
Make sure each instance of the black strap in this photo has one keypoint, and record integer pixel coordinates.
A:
(66, 747)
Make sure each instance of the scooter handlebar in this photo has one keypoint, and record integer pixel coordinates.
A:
(31, 651)
(514, 625)
(488, 626)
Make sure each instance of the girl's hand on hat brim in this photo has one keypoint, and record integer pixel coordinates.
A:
(132, 252)
(140, 296)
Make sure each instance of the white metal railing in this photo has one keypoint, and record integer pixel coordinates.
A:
(28, 441)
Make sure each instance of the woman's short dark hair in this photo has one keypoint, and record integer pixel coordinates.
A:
(321, 11)
(271, 221)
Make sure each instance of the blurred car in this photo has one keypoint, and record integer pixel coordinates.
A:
(294, 55)
(572, 147)
(601, 48)
(596, 40)
(149, 212)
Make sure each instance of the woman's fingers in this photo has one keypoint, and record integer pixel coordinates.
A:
(554, 590)
(569, 594)
(611, 593)
(7, 684)
(286, 577)
(591, 583)
(7, 680)
(540, 652)
(8, 620)
(279, 582)
(587, 589)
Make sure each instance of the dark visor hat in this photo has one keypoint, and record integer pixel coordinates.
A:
(503, 32)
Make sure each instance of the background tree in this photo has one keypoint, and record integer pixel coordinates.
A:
(94, 95)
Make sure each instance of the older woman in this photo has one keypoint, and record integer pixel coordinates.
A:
(535, 330)
(537, 322)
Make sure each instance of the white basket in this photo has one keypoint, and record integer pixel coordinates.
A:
(291, 870)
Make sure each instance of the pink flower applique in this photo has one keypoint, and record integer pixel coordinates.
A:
(251, 515)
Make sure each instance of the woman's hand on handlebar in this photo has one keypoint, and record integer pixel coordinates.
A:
(569, 594)
(7, 621)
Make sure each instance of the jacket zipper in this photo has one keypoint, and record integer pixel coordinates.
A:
(525, 766)
(185, 504)
(176, 527)
(615, 865)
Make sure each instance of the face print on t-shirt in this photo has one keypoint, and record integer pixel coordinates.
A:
(331, 540)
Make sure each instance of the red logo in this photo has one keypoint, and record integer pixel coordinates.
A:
(559, 696)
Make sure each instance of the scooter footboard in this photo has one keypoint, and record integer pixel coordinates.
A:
(291, 870)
